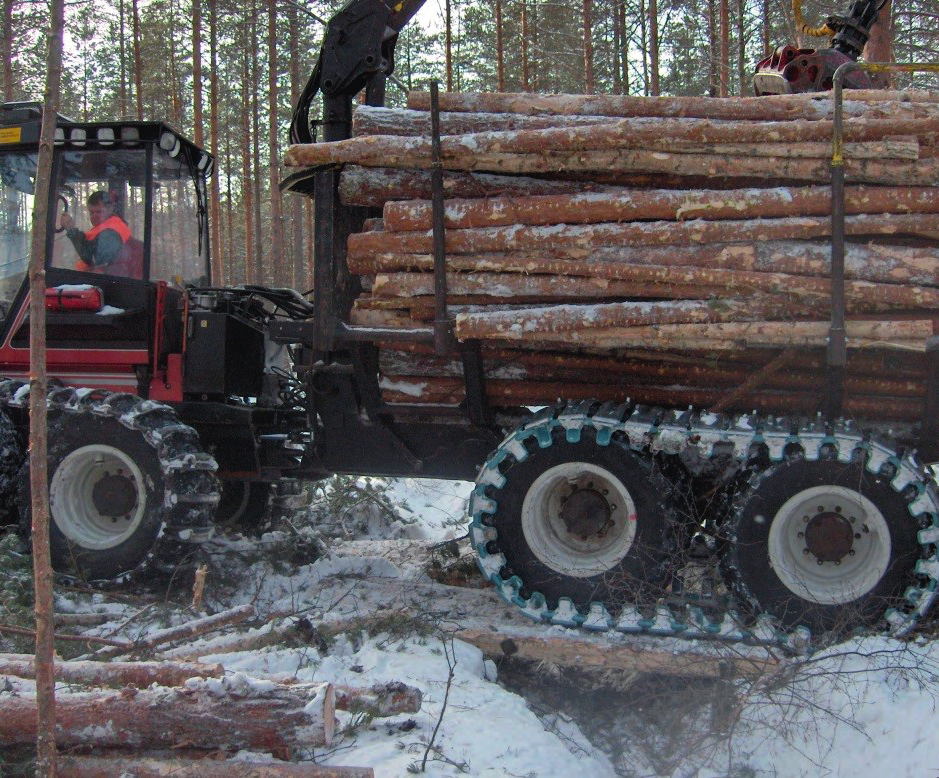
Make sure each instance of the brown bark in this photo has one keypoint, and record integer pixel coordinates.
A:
(197, 72)
(526, 80)
(6, 50)
(448, 45)
(588, 46)
(376, 186)
(296, 249)
(380, 700)
(255, 138)
(370, 120)
(724, 65)
(592, 208)
(757, 379)
(277, 222)
(215, 216)
(44, 732)
(585, 237)
(653, 48)
(138, 62)
(741, 48)
(210, 767)
(879, 47)
(508, 394)
(250, 274)
(228, 713)
(500, 50)
(139, 674)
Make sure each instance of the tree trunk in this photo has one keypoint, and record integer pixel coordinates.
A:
(724, 68)
(6, 47)
(654, 47)
(210, 767)
(44, 733)
(277, 224)
(448, 45)
(197, 72)
(624, 37)
(297, 250)
(123, 56)
(588, 46)
(138, 63)
(880, 46)
(369, 120)
(260, 277)
(230, 713)
(713, 51)
(526, 81)
(215, 214)
(139, 674)
(380, 700)
(500, 50)
(767, 41)
(250, 276)
(597, 207)
(741, 47)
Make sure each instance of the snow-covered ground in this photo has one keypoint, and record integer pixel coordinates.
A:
(865, 708)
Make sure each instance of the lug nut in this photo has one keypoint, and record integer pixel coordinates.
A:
(805, 551)
(801, 535)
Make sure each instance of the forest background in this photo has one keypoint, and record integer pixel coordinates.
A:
(227, 73)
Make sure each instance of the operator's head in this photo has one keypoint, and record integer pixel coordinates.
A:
(100, 207)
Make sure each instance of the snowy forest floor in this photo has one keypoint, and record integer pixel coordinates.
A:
(372, 607)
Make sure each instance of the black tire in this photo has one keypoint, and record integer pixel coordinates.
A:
(12, 454)
(131, 492)
(244, 505)
(770, 572)
(633, 575)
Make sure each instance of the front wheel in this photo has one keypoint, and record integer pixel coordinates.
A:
(130, 490)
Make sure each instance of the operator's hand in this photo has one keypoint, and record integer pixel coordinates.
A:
(66, 222)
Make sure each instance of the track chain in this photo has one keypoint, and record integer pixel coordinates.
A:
(191, 488)
(654, 430)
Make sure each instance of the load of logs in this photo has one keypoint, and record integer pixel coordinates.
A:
(673, 251)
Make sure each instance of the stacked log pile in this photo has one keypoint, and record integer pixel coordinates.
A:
(671, 250)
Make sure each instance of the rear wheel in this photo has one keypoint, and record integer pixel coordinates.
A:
(581, 520)
(823, 544)
(130, 491)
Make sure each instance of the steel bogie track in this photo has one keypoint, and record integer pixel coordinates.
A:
(753, 446)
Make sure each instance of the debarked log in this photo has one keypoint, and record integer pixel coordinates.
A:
(657, 233)
(883, 263)
(89, 673)
(649, 205)
(235, 712)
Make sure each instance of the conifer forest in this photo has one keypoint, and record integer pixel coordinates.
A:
(227, 74)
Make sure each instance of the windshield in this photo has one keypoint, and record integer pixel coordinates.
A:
(17, 174)
(101, 184)
(179, 248)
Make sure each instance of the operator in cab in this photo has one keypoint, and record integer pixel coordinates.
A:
(107, 247)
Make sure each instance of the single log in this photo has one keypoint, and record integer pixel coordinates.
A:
(188, 630)
(81, 619)
(585, 237)
(784, 286)
(140, 674)
(70, 766)
(120, 645)
(510, 394)
(864, 262)
(648, 205)
(458, 151)
(368, 120)
(380, 700)
(229, 713)
(770, 108)
(580, 652)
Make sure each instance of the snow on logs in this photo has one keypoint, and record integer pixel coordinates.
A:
(686, 237)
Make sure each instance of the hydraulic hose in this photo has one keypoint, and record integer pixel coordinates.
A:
(813, 32)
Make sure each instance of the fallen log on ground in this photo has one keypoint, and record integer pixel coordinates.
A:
(380, 700)
(228, 713)
(88, 673)
(70, 766)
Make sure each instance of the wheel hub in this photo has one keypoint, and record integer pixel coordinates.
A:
(586, 513)
(829, 537)
(114, 495)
